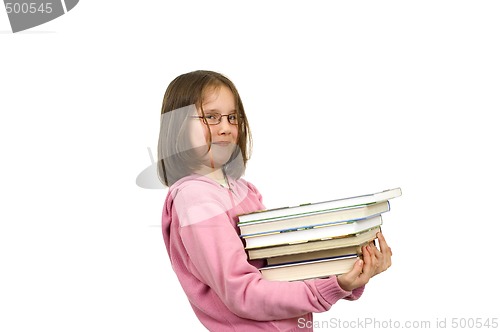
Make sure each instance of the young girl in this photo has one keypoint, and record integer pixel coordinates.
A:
(202, 152)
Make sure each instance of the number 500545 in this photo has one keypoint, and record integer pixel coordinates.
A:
(28, 7)
(474, 323)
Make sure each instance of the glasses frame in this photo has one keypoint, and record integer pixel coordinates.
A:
(218, 117)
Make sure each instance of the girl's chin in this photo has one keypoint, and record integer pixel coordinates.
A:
(213, 160)
(217, 156)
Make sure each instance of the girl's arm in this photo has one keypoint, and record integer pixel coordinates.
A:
(218, 259)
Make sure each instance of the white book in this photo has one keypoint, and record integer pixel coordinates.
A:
(314, 233)
(338, 216)
(311, 208)
(308, 270)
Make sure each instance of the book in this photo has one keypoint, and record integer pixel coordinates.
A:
(313, 233)
(314, 240)
(313, 219)
(315, 245)
(310, 269)
(287, 212)
(315, 255)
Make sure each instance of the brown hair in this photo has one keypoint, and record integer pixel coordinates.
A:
(184, 94)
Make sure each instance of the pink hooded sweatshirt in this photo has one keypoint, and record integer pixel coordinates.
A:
(225, 289)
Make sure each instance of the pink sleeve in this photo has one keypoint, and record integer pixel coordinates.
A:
(217, 258)
(255, 190)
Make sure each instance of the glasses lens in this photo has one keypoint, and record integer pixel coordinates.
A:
(212, 119)
(233, 119)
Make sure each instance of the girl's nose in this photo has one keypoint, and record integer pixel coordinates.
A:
(224, 125)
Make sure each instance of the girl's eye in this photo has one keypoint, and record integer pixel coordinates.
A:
(212, 119)
(232, 117)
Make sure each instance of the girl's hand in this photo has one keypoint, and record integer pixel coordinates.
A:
(383, 255)
(374, 262)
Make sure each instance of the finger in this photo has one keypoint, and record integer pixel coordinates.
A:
(384, 247)
(369, 259)
(354, 273)
(366, 256)
(375, 250)
(384, 260)
(350, 280)
(356, 270)
(377, 258)
(383, 255)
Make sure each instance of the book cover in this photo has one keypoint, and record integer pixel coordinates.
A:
(314, 245)
(314, 233)
(314, 219)
(307, 270)
(315, 255)
(321, 206)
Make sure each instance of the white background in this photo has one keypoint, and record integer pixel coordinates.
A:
(343, 99)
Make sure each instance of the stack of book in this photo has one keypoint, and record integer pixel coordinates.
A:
(314, 240)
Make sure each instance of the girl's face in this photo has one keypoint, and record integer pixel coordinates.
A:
(222, 138)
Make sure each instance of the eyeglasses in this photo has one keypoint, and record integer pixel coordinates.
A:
(216, 118)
